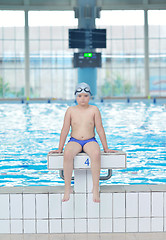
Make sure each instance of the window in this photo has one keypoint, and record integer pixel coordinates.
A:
(51, 67)
(157, 52)
(122, 73)
(12, 77)
(51, 61)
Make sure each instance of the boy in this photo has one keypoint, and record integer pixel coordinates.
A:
(83, 119)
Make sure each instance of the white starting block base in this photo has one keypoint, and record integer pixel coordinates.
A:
(82, 165)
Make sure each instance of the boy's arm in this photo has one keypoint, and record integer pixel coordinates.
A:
(100, 131)
(64, 132)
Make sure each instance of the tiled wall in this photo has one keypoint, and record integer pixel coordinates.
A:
(119, 211)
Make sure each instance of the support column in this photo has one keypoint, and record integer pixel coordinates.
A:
(86, 20)
(89, 76)
(27, 78)
(83, 181)
(146, 50)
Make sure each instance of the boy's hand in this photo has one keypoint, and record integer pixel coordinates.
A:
(56, 151)
(110, 151)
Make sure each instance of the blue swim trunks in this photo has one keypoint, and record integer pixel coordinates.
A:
(82, 142)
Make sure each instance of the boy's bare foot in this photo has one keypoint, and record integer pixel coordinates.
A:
(96, 195)
(66, 195)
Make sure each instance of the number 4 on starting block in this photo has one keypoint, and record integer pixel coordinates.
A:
(87, 162)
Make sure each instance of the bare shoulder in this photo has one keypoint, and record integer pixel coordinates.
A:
(94, 108)
(70, 109)
(73, 108)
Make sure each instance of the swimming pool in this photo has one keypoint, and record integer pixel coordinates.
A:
(28, 132)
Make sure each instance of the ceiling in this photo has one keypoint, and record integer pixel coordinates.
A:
(70, 4)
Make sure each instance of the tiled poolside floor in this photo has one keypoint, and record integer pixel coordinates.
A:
(105, 236)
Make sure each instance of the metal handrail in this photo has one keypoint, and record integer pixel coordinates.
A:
(108, 176)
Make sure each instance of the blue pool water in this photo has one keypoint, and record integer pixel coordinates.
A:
(29, 132)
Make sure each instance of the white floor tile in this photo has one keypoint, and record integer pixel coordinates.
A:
(106, 205)
(68, 225)
(16, 226)
(29, 206)
(93, 225)
(131, 204)
(144, 224)
(4, 226)
(42, 226)
(119, 225)
(144, 204)
(157, 204)
(55, 226)
(80, 225)
(29, 226)
(4, 206)
(55, 205)
(93, 207)
(164, 224)
(80, 205)
(157, 225)
(165, 204)
(106, 225)
(68, 208)
(131, 224)
(118, 205)
(16, 206)
(41, 206)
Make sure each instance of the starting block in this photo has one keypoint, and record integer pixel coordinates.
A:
(82, 165)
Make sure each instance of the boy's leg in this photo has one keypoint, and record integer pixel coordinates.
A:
(71, 150)
(93, 150)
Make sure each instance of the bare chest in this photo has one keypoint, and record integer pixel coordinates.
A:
(85, 118)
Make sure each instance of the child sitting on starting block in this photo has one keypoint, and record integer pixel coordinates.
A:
(83, 119)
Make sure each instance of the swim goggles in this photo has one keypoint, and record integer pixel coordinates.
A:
(86, 89)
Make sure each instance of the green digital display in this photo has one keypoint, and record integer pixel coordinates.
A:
(87, 54)
(87, 60)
